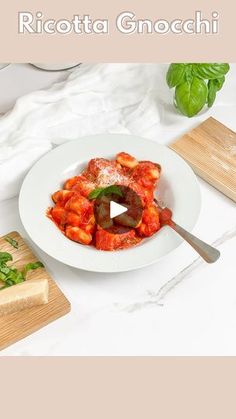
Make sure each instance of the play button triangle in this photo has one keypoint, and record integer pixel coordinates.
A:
(116, 209)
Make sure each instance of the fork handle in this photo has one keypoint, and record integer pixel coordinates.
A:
(207, 252)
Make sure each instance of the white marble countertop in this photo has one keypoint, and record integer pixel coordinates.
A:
(179, 306)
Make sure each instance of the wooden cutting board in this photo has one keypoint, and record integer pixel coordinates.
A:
(17, 326)
(210, 149)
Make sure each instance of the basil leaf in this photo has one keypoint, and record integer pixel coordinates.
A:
(191, 96)
(189, 74)
(2, 276)
(219, 82)
(13, 242)
(214, 86)
(5, 257)
(10, 275)
(31, 266)
(112, 189)
(99, 192)
(175, 74)
(211, 70)
(9, 283)
(95, 193)
(212, 89)
(18, 277)
(5, 270)
(14, 277)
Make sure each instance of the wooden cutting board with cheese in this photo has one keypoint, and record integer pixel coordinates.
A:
(210, 149)
(39, 291)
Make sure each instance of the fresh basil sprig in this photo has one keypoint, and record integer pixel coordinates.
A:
(196, 84)
(99, 192)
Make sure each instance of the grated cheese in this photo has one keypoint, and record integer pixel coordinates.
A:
(110, 176)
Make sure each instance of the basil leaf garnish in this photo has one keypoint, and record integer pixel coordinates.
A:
(99, 192)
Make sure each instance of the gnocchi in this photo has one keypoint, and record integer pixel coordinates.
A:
(73, 210)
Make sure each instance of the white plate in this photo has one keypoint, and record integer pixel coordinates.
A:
(178, 188)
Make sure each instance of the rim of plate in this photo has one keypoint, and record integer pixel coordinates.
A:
(179, 187)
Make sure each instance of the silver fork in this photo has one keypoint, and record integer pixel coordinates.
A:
(207, 252)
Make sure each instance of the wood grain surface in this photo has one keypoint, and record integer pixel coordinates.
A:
(210, 149)
(17, 326)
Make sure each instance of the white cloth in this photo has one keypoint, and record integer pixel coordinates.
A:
(114, 98)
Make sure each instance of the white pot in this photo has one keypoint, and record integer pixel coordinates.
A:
(3, 65)
(56, 66)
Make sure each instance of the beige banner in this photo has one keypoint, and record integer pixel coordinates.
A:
(117, 46)
(117, 388)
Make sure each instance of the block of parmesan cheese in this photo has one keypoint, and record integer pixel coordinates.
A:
(27, 294)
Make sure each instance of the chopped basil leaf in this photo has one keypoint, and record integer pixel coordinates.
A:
(5, 270)
(31, 267)
(9, 275)
(5, 257)
(13, 242)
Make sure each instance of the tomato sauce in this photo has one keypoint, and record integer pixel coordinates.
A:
(73, 209)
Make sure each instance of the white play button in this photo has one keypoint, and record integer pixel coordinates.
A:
(116, 209)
